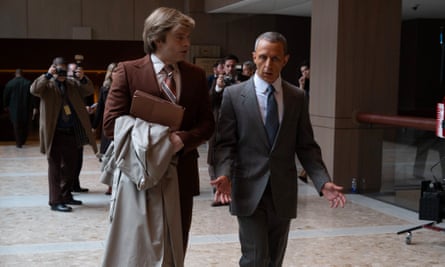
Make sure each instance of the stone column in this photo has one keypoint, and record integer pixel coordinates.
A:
(354, 67)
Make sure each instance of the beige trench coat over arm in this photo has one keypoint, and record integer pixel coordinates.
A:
(145, 219)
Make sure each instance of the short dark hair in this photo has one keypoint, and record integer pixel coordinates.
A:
(249, 64)
(304, 63)
(231, 57)
(217, 62)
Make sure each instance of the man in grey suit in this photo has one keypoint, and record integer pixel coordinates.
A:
(258, 135)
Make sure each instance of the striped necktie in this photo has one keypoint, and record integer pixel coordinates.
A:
(169, 84)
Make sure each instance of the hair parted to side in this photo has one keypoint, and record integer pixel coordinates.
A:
(273, 37)
(161, 21)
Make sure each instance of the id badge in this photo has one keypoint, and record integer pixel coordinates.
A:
(67, 110)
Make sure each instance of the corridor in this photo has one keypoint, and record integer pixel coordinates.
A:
(361, 234)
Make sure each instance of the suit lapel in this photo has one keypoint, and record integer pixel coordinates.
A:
(147, 77)
(185, 83)
(252, 109)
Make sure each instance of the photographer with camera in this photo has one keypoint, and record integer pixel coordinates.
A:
(226, 78)
(64, 129)
(229, 76)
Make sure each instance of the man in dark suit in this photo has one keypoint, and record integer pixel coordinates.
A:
(167, 45)
(218, 68)
(258, 135)
(18, 101)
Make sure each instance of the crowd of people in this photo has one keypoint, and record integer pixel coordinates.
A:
(253, 121)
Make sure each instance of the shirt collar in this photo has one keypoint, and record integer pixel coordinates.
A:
(261, 85)
(158, 65)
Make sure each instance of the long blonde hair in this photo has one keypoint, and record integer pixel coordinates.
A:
(108, 75)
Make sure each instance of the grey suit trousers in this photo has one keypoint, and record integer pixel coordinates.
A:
(263, 233)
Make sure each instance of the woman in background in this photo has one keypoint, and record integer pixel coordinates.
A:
(104, 141)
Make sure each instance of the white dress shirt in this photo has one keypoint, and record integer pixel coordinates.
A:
(261, 94)
(158, 65)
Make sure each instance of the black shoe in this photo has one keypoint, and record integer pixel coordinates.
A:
(303, 179)
(74, 202)
(108, 191)
(61, 207)
(303, 176)
(218, 204)
(80, 190)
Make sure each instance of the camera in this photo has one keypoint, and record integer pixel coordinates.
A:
(228, 80)
(432, 201)
(60, 71)
(75, 72)
(78, 59)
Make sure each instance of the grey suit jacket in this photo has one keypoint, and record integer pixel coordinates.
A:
(244, 155)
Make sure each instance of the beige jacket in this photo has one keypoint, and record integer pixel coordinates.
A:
(145, 219)
(51, 103)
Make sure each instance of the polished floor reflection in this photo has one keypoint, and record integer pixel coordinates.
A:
(409, 157)
(361, 234)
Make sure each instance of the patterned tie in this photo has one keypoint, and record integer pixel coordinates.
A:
(169, 84)
(271, 115)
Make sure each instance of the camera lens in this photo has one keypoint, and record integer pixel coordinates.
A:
(61, 71)
(228, 80)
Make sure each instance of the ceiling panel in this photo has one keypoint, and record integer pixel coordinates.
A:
(411, 9)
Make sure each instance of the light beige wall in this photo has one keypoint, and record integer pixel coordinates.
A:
(44, 22)
(57, 19)
(124, 20)
(13, 18)
(109, 19)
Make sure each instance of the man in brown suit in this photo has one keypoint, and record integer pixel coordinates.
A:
(166, 38)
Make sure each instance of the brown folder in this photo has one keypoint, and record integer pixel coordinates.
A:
(157, 110)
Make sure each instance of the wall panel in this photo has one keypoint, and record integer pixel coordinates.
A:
(109, 19)
(13, 19)
(53, 18)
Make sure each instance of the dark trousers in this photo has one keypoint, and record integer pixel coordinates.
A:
(20, 133)
(62, 162)
(76, 179)
(263, 235)
(188, 188)
(186, 199)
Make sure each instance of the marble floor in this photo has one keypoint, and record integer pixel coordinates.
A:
(364, 233)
